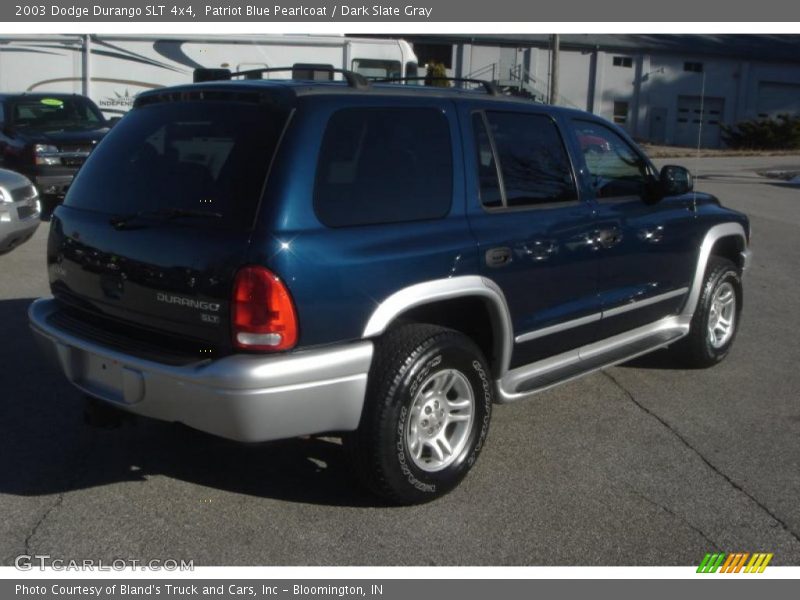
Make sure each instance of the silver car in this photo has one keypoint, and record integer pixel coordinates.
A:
(19, 210)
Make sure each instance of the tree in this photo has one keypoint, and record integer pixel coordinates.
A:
(781, 133)
(435, 74)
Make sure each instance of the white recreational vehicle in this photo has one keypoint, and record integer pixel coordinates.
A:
(112, 69)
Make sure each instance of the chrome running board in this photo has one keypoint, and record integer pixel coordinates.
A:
(536, 377)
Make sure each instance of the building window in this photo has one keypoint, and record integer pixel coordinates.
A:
(694, 67)
(623, 61)
(439, 53)
(620, 112)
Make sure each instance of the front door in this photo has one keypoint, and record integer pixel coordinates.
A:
(646, 249)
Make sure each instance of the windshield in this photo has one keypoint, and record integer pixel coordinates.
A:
(55, 113)
(181, 158)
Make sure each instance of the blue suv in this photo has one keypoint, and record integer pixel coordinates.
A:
(268, 259)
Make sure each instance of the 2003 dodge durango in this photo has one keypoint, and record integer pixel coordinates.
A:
(268, 259)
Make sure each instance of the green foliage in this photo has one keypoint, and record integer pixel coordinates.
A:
(782, 133)
(436, 70)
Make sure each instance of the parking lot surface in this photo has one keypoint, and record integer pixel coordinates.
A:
(640, 464)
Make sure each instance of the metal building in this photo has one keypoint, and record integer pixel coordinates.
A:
(666, 89)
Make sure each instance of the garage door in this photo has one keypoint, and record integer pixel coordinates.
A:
(778, 98)
(691, 116)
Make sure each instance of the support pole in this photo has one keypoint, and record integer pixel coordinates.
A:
(554, 48)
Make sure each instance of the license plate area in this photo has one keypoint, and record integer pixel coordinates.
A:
(99, 376)
(102, 377)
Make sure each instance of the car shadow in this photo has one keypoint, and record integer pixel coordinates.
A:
(784, 184)
(47, 448)
(664, 359)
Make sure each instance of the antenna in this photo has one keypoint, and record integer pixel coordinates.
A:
(699, 138)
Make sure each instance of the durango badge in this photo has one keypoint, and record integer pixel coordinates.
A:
(190, 302)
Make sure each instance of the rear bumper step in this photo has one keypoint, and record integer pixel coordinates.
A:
(249, 398)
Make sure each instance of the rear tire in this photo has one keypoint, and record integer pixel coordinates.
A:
(716, 318)
(426, 415)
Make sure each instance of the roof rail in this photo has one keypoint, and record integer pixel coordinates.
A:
(487, 85)
(354, 80)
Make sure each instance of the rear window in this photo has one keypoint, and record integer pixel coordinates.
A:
(206, 156)
(384, 166)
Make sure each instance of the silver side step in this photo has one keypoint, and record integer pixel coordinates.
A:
(529, 379)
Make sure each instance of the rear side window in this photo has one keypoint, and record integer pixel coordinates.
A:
(206, 156)
(384, 166)
(534, 163)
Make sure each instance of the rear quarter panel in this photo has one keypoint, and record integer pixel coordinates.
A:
(338, 276)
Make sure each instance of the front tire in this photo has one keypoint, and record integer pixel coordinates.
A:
(426, 416)
(716, 318)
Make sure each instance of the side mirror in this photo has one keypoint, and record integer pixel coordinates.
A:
(675, 180)
(113, 121)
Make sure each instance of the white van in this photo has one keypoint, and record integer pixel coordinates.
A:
(112, 69)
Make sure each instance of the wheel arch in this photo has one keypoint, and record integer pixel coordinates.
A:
(725, 239)
(470, 304)
(730, 247)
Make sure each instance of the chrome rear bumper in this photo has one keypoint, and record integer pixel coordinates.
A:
(249, 398)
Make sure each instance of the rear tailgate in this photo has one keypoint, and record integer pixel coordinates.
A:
(146, 247)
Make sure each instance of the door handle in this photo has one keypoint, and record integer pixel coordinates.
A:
(604, 238)
(654, 235)
(540, 250)
(497, 257)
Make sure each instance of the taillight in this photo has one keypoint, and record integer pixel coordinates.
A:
(263, 315)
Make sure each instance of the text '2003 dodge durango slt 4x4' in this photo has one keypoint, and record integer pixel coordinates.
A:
(262, 260)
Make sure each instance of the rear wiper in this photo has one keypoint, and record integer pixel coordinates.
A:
(165, 213)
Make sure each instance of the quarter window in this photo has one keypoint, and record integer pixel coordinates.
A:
(534, 164)
(489, 185)
(384, 165)
(616, 169)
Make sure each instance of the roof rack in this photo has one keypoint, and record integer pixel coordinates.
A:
(487, 85)
(354, 80)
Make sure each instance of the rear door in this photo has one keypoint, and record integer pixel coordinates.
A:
(531, 226)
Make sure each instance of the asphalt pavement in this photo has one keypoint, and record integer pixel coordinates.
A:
(641, 464)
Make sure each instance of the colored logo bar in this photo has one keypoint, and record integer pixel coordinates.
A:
(734, 562)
